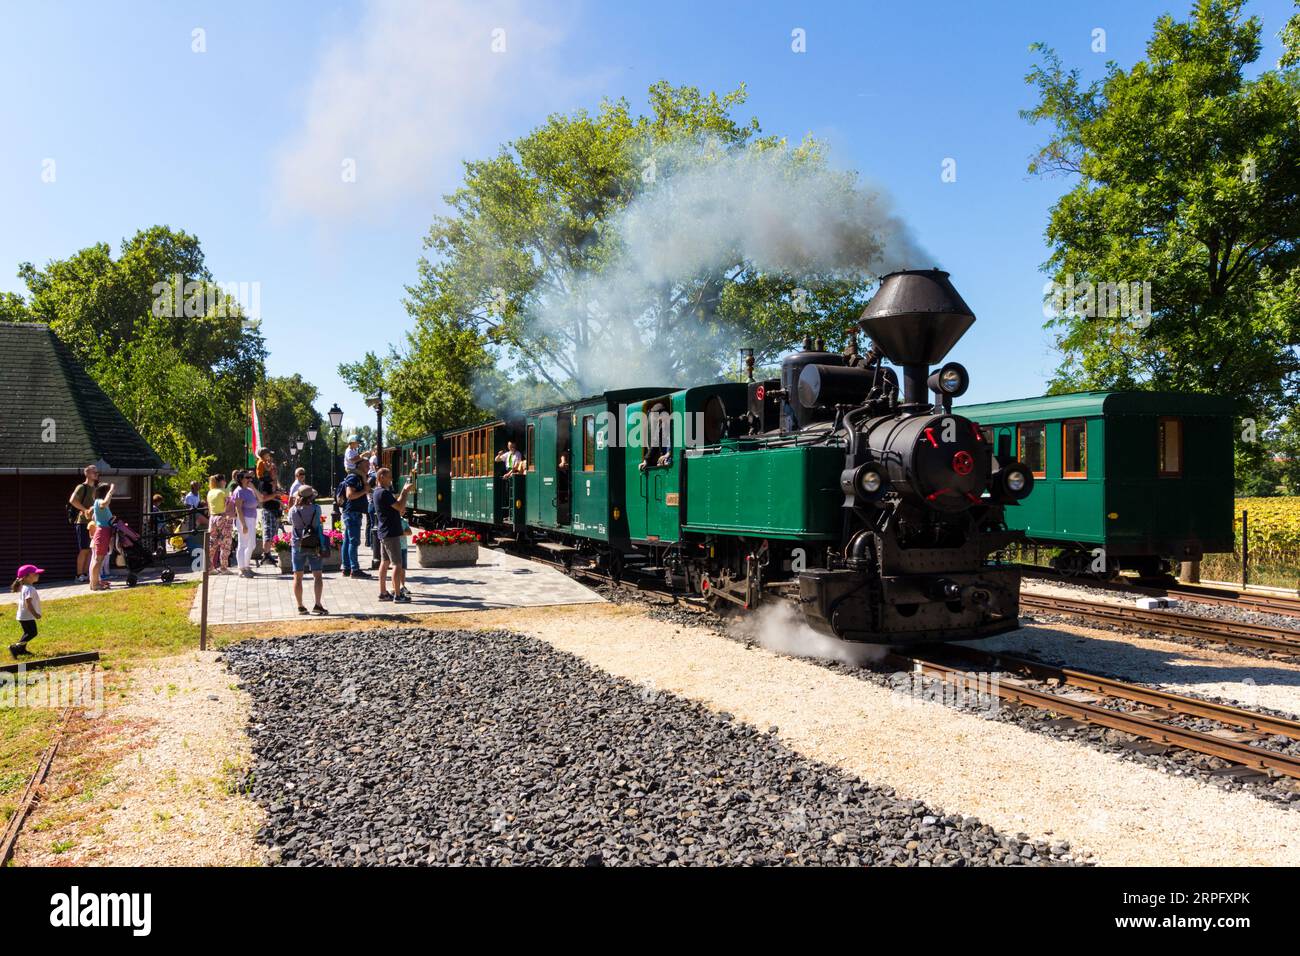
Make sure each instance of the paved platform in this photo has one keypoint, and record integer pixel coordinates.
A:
(498, 580)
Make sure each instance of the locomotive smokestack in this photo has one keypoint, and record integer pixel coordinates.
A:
(915, 318)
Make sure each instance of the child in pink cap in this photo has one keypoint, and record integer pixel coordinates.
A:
(29, 605)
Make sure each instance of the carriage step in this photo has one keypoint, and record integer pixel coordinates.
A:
(556, 547)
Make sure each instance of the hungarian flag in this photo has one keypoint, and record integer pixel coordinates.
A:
(256, 429)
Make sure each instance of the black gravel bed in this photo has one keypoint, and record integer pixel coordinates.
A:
(1185, 605)
(1173, 761)
(410, 747)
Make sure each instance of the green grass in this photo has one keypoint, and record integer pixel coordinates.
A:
(24, 734)
(124, 624)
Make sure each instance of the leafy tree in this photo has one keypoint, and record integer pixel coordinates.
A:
(1187, 179)
(179, 360)
(509, 274)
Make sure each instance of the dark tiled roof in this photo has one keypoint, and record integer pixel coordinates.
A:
(40, 380)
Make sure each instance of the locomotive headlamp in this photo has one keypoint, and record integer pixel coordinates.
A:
(863, 484)
(1014, 480)
(951, 380)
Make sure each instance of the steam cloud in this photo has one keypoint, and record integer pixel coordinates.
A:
(779, 627)
(704, 211)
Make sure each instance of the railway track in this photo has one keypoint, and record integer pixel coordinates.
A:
(1245, 600)
(1261, 636)
(1146, 713)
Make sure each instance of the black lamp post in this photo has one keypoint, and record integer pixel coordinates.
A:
(336, 422)
(312, 431)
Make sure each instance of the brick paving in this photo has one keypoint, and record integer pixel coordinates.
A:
(498, 580)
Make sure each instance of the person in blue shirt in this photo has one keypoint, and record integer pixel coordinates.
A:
(356, 504)
(389, 509)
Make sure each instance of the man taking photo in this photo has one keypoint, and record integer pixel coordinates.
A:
(389, 509)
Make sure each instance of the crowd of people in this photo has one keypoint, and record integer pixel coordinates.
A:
(230, 512)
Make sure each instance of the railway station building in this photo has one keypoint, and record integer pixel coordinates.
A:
(56, 420)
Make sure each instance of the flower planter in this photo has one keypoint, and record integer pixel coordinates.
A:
(447, 555)
(286, 561)
(333, 560)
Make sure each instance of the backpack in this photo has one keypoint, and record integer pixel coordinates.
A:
(73, 513)
(310, 540)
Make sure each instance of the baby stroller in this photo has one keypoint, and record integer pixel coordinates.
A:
(135, 554)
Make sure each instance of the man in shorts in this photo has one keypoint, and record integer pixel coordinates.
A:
(82, 502)
(388, 532)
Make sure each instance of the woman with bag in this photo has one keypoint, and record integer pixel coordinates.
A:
(307, 546)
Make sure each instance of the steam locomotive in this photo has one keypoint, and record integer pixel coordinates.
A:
(874, 508)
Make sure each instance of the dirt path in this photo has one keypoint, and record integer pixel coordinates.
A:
(153, 781)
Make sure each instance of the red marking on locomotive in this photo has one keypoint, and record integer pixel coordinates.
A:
(760, 393)
(929, 433)
(963, 463)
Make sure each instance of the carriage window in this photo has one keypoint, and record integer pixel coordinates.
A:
(1032, 442)
(589, 443)
(528, 450)
(1074, 452)
(1171, 447)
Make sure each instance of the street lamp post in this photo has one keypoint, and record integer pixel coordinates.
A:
(311, 454)
(336, 422)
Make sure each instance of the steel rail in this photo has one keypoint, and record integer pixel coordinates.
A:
(1193, 740)
(1264, 636)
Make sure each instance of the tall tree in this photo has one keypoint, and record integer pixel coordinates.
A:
(172, 349)
(1187, 178)
(520, 269)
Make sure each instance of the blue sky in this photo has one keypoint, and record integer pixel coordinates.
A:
(242, 144)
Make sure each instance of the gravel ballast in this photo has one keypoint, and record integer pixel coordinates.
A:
(395, 746)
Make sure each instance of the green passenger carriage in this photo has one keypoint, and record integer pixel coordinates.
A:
(1121, 479)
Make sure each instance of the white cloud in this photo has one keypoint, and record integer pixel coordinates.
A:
(413, 89)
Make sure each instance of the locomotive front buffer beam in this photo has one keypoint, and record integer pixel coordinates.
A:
(910, 609)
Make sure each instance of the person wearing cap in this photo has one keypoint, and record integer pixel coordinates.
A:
(29, 606)
(351, 454)
(308, 544)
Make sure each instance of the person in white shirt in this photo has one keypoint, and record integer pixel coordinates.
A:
(29, 606)
(299, 479)
(351, 454)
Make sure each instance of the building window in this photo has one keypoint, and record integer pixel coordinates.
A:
(1074, 449)
(1032, 442)
(528, 450)
(1171, 447)
(589, 443)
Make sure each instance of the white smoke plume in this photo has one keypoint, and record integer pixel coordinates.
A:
(779, 627)
(703, 213)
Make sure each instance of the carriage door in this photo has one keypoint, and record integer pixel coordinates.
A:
(546, 461)
(564, 468)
